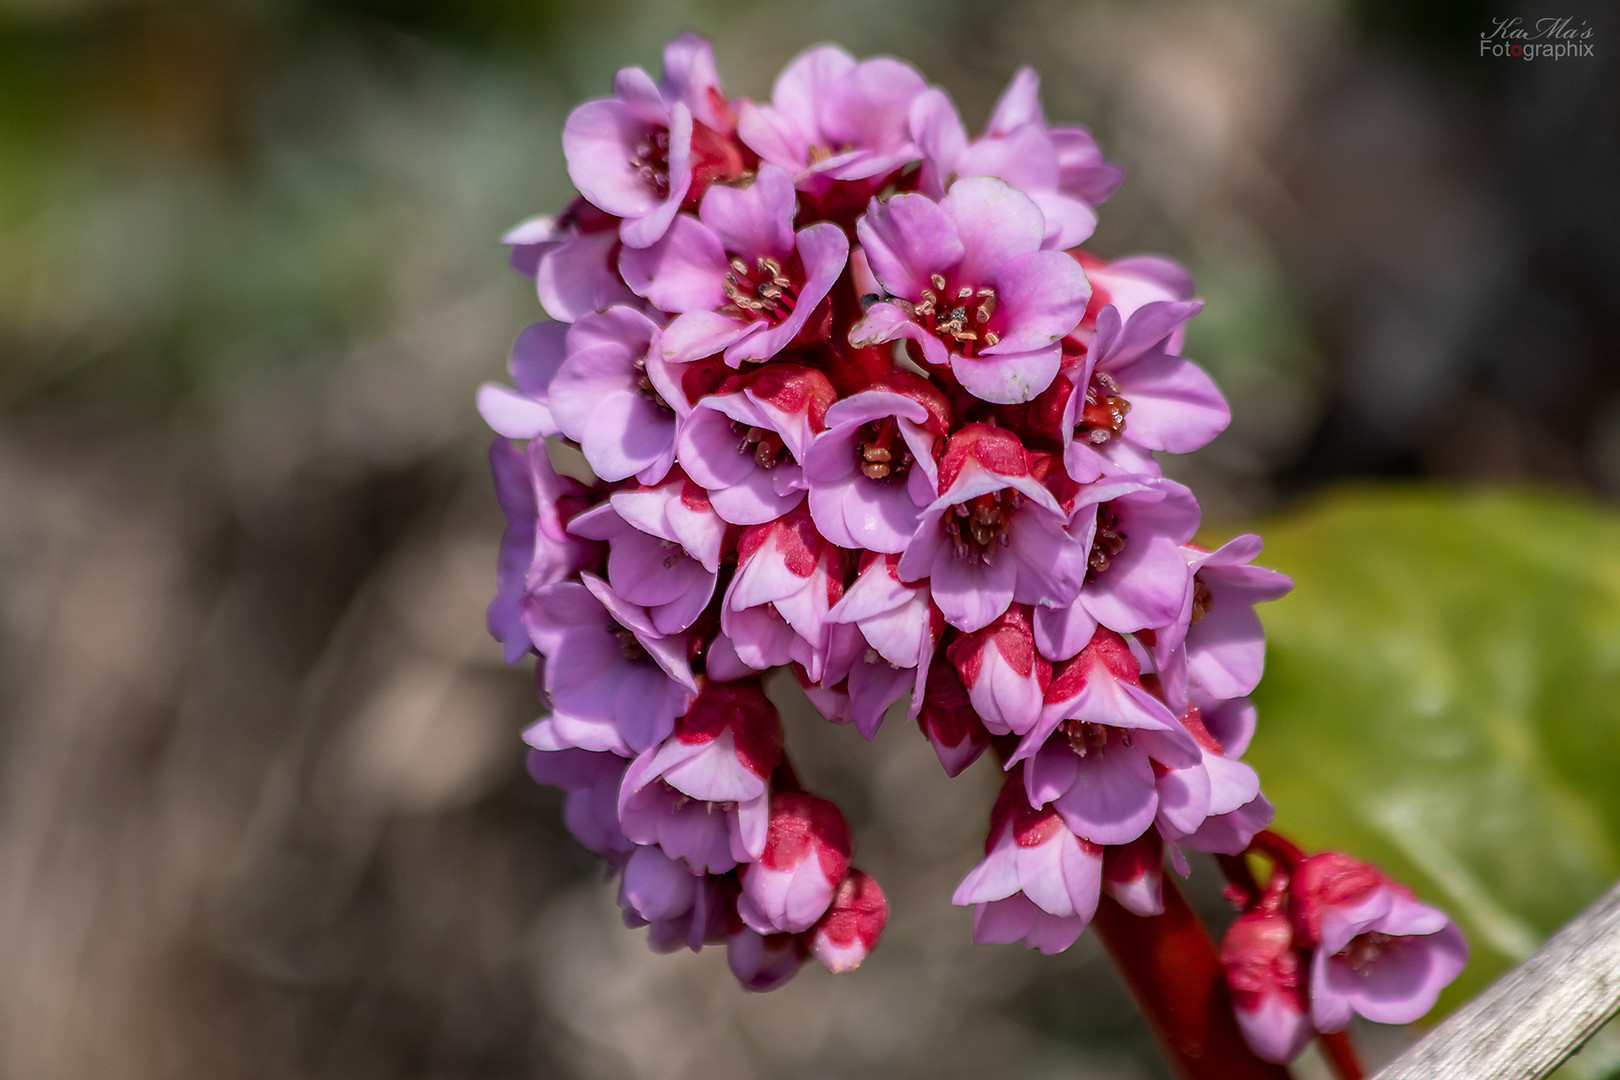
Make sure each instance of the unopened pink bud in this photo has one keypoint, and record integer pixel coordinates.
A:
(850, 929)
(807, 850)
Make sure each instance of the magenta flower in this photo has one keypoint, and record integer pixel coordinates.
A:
(872, 471)
(994, 536)
(1216, 640)
(631, 154)
(775, 610)
(948, 720)
(525, 412)
(1136, 576)
(763, 962)
(591, 779)
(1039, 881)
(745, 443)
(1375, 950)
(1130, 284)
(1136, 392)
(1016, 147)
(664, 547)
(1082, 171)
(743, 282)
(831, 118)
(615, 683)
(849, 931)
(807, 849)
(1133, 874)
(1098, 773)
(617, 398)
(701, 793)
(1267, 979)
(966, 279)
(573, 258)
(1005, 678)
(536, 548)
(882, 635)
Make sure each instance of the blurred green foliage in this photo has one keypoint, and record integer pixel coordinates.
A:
(1442, 696)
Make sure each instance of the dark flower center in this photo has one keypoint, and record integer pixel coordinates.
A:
(961, 315)
(632, 649)
(1085, 738)
(1103, 417)
(979, 526)
(765, 445)
(881, 452)
(650, 159)
(645, 389)
(1107, 543)
(1365, 950)
(763, 291)
(1202, 600)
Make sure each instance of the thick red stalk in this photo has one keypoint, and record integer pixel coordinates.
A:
(1174, 972)
(1341, 1054)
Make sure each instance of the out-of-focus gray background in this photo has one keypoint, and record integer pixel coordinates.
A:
(262, 805)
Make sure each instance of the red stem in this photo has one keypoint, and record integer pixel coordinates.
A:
(1341, 1053)
(1173, 971)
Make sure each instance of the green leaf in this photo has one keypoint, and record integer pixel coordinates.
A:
(1442, 697)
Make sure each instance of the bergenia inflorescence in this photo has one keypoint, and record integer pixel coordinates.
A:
(858, 404)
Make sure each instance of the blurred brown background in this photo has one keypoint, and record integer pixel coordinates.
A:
(262, 805)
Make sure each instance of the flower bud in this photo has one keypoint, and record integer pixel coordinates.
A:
(807, 850)
(1266, 974)
(850, 929)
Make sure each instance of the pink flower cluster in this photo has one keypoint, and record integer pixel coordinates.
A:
(1328, 937)
(857, 404)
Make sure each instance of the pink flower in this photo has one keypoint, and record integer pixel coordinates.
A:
(775, 610)
(882, 637)
(617, 398)
(745, 443)
(1039, 881)
(1216, 640)
(1133, 874)
(701, 794)
(966, 279)
(536, 548)
(849, 931)
(791, 884)
(632, 154)
(762, 962)
(1136, 577)
(994, 536)
(948, 720)
(1375, 950)
(871, 472)
(1017, 147)
(1266, 976)
(615, 683)
(1082, 172)
(525, 412)
(831, 118)
(664, 547)
(743, 281)
(591, 779)
(1005, 679)
(574, 260)
(1098, 773)
(1129, 284)
(1135, 390)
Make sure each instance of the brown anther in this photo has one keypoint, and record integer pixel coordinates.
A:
(938, 281)
(991, 338)
(979, 526)
(880, 451)
(738, 266)
(628, 644)
(766, 445)
(1107, 543)
(1202, 600)
(1084, 737)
